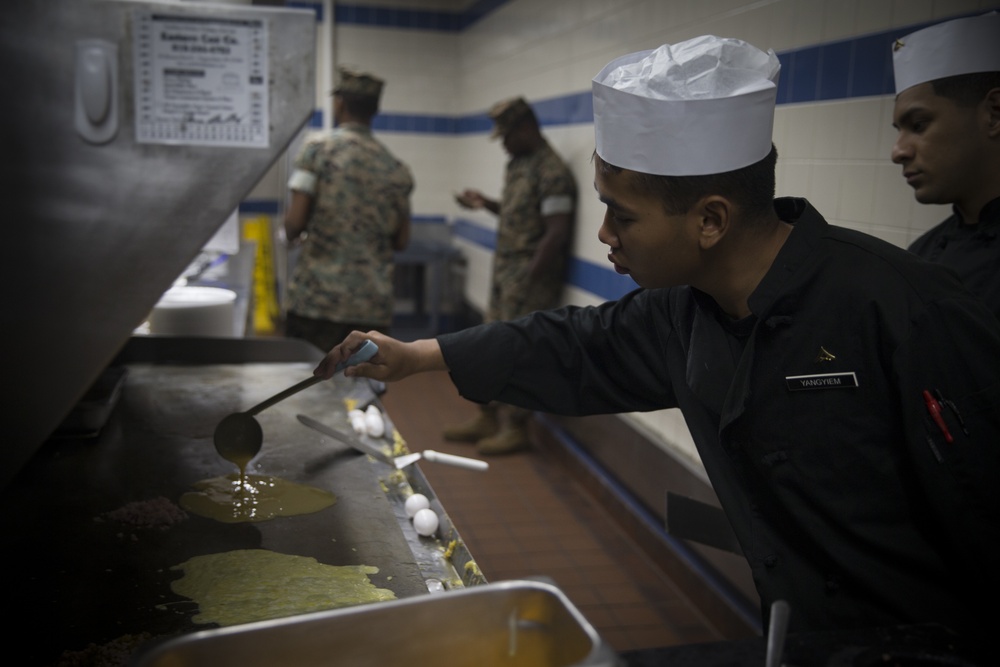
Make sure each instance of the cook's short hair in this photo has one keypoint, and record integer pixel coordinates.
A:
(751, 188)
(966, 90)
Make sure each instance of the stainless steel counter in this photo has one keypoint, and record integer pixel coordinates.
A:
(88, 579)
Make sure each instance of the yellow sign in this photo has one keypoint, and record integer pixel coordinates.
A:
(265, 292)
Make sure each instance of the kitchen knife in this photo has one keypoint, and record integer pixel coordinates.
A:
(356, 443)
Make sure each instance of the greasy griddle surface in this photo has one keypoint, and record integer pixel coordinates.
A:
(72, 579)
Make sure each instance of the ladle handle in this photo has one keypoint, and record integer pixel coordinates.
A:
(363, 353)
(294, 389)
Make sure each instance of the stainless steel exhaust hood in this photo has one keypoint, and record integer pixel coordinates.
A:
(120, 159)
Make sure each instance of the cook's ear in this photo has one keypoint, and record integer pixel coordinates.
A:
(715, 215)
(993, 109)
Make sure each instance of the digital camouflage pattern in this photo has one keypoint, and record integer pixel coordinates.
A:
(344, 273)
(529, 180)
(506, 114)
(358, 83)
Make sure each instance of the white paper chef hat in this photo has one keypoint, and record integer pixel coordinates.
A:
(961, 46)
(704, 106)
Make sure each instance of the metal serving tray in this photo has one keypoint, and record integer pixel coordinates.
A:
(503, 623)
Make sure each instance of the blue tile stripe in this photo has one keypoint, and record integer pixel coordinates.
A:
(413, 19)
(272, 207)
(386, 17)
(585, 275)
(429, 220)
(847, 69)
(259, 207)
(394, 17)
(599, 280)
(474, 233)
(315, 7)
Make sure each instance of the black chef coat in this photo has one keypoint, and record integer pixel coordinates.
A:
(846, 498)
(971, 251)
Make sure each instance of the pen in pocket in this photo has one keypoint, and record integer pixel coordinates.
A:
(954, 409)
(934, 408)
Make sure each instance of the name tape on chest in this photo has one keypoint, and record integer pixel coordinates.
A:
(846, 380)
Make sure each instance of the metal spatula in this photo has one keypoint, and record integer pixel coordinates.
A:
(397, 461)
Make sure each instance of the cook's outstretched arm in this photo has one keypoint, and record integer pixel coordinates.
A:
(394, 360)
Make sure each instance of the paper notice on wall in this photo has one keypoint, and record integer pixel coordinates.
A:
(201, 80)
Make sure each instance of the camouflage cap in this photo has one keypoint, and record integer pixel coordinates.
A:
(358, 83)
(506, 114)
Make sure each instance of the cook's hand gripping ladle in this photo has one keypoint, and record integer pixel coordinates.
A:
(238, 436)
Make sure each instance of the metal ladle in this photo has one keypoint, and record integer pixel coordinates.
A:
(238, 436)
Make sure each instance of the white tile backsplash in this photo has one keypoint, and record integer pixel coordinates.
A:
(906, 12)
(942, 9)
(808, 22)
(863, 134)
(857, 192)
(872, 17)
(800, 129)
(839, 18)
(893, 198)
(828, 127)
(794, 177)
(825, 192)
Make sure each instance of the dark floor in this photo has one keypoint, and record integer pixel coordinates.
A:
(527, 517)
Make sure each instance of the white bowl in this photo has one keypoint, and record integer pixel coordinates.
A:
(194, 311)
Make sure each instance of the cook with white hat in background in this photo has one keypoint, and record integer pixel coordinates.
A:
(843, 394)
(948, 116)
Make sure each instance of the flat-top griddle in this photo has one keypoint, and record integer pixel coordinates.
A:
(75, 577)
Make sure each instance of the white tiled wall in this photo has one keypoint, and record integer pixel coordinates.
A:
(835, 153)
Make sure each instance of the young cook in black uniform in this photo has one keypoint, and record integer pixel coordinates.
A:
(948, 116)
(844, 395)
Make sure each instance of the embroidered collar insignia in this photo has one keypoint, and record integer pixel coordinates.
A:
(824, 355)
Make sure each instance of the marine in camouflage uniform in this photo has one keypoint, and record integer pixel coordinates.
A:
(529, 263)
(350, 197)
(534, 184)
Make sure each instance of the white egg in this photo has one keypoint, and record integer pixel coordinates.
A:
(415, 503)
(374, 425)
(425, 522)
(357, 418)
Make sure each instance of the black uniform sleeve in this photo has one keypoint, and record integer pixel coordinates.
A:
(573, 360)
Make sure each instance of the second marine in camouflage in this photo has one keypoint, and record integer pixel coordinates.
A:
(529, 265)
